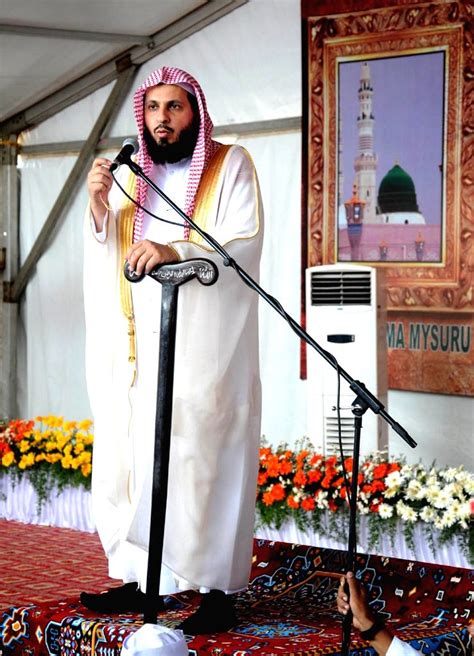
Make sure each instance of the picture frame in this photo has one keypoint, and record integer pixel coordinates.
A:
(373, 34)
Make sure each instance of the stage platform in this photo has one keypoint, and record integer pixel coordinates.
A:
(289, 608)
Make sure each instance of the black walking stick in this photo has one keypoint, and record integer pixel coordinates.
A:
(171, 276)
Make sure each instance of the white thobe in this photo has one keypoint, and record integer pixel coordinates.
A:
(216, 407)
(400, 648)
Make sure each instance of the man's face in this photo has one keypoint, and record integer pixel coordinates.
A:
(167, 113)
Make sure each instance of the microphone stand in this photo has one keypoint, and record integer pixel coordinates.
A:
(364, 398)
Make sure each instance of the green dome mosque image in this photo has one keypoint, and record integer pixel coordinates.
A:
(396, 200)
(397, 192)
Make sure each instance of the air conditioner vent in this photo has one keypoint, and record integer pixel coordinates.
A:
(341, 288)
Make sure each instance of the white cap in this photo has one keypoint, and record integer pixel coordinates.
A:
(186, 86)
(155, 640)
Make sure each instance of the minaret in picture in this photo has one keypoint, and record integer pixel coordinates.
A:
(365, 164)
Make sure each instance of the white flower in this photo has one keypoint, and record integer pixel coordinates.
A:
(464, 510)
(449, 517)
(406, 471)
(393, 479)
(438, 523)
(406, 513)
(427, 514)
(385, 511)
(321, 500)
(449, 474)
(432, 494)
(468, 484)
(414, 490)
(443, 499)
(391, 492)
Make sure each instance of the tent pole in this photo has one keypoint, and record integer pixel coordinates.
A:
(14, 289)
(9, 222)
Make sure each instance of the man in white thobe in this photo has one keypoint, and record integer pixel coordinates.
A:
(217, 399)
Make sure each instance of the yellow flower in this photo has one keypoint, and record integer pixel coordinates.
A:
(24, 446)
(64, 442)
(69, 426)
(8, 459)
(66, 462)
(40, 457)
(85, 424)
(79, 448)
(85, 456)
(86, 470)
(27, 461)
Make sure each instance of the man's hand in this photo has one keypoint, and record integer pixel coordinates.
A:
(146, 255)
(357, 602)
(99, 182)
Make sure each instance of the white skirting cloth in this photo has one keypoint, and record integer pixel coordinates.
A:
(448, 554)
(72, 509)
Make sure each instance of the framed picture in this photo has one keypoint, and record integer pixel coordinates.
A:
(394, 152)
(388, 160)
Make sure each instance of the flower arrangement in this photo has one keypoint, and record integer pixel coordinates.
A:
(300, 484)
(51, 452)
(311, 489)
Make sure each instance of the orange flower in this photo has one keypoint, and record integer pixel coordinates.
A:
(300, 478)
(314, 475)
(278, 492)
(262, 478)
(380, 471)
(291, 501)
(394, 466)
(272, 466)
(301, 457)
(348, 464)
(308, 504)
(285, 467)
(267, 498)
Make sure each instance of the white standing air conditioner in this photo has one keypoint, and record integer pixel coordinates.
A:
(346, 315)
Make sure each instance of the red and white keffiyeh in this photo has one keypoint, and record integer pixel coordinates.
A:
(203, 152)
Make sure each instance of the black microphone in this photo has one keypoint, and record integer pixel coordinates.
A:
(129, 148)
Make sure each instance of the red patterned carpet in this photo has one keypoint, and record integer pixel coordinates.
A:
(288, 608)
(43, 563)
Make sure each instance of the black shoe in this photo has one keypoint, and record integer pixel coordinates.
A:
(127, 598)
(216, 614)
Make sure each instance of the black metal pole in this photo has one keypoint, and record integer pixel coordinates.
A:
(358, 411)
(171, 276)
(164, 402)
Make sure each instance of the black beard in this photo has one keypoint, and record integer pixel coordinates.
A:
(174, 152)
